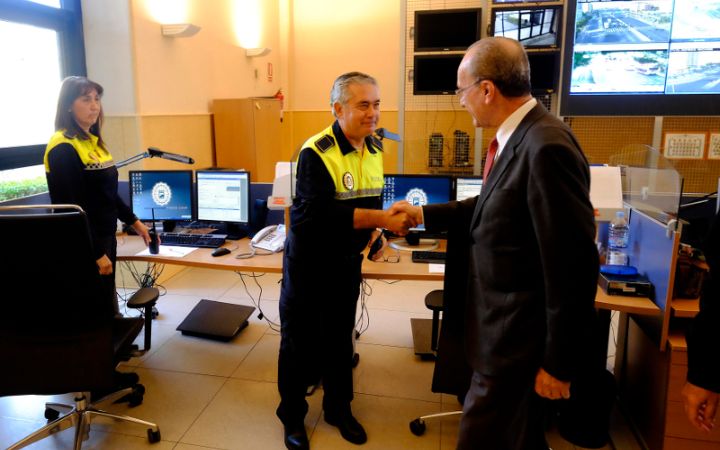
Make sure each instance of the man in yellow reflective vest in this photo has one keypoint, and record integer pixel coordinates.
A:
(337, 206)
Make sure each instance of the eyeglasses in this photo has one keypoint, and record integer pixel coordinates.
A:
(461, 91)
(394, 258)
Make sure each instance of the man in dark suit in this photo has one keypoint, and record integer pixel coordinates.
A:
(701, 394)
(533, 263)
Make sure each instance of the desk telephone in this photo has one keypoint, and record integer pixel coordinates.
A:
(270, 238)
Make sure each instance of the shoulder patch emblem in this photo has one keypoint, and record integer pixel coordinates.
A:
(348, 181)
(324, 143)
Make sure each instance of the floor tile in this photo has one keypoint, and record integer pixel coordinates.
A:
(386, 421)
(205, 356)
(388, 327)
(206, 283)
(261, 364)
(172, 400)
(401, 295)
(393, 372)
(242, 416)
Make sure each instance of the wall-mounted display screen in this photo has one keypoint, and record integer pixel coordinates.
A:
(446, 29)
(534, 27)
(646, 57)
(435, 74)
(544, 71)
(164, 194)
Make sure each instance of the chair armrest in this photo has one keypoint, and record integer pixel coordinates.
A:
(146, 296)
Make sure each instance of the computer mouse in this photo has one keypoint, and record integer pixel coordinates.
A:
(221, 251)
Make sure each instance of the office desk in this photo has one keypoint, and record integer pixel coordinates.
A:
(129, 246)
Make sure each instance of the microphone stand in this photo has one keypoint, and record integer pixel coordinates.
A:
(155, 152)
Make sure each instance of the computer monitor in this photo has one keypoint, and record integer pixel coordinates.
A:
(534, 27)
(466, 187)
(446, 29)
(418, 190)
(224, 196)
(168, 194)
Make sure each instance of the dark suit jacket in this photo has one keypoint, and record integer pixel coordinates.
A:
(704, 335)
(533, 265)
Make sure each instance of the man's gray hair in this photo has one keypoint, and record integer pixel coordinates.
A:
(340, 92)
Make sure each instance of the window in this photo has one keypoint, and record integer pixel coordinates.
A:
(47, 46)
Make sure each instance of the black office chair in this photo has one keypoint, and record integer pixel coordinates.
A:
(451, 374)
(59, 334)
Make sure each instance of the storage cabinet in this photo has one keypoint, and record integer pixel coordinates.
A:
(248, 135)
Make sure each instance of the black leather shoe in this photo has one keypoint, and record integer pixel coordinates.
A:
(349, 427)
(296, 437)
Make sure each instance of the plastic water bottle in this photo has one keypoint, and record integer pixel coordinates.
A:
(618, 237)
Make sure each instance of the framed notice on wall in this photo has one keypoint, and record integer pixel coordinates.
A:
(714, 146)
(684, 145)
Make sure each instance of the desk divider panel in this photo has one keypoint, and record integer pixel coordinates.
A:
(654, 253)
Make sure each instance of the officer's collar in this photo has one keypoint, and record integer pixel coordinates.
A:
(345, 145)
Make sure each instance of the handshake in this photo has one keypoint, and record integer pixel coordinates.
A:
(402, 216)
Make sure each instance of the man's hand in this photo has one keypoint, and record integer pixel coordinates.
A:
(104, 265)
(402, 216)
(548, 386)
(700, 406)
(415, 212)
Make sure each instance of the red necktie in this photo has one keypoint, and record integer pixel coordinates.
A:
(490, 158)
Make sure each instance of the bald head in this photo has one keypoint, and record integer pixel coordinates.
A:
(502, 61)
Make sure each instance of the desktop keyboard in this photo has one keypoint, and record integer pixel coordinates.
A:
(193, 240)
(422, 256)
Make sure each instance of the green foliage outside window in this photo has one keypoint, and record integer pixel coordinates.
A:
(10, 190)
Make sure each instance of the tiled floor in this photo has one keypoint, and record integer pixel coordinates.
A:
(214, 395)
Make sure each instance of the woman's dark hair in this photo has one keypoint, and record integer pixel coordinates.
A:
(72, 88)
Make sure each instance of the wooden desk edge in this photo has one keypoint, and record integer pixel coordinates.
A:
(635, 305)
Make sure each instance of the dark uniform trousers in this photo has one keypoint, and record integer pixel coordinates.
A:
(317, 310)
(109, 245)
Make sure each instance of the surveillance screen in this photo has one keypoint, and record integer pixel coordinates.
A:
(654, 46)
(532, 27)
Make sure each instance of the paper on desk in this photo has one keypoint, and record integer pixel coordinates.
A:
(436, 268)
(169, 250)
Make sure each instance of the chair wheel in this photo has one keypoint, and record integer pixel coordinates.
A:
(356, 359)
(51, 414)
(153, 436)
(417, 427)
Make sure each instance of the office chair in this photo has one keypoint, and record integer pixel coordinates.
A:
(59, 334)
(452, 373)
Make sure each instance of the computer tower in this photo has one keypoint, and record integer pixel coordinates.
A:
(462, 148)
(435, 150)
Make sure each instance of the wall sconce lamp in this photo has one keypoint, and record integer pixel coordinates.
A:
(179, 30)
(260, 51)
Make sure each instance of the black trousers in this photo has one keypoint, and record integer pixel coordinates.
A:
(503, 413)
(317, 316)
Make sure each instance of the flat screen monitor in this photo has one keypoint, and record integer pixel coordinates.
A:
(446, 29)
(651, 58)
(168, 194)
(544, 71)
(466, 187)
(435, 74)
(223, 196)
(418, 190)
(534, 27)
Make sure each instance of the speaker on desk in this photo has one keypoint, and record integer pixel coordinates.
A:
(258, 218)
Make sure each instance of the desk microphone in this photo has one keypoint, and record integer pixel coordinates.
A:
(154, 246)
(171, 156)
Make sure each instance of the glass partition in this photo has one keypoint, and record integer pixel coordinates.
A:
(650, 182)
